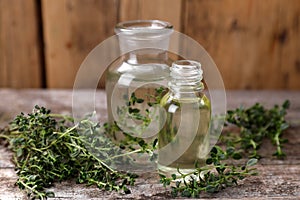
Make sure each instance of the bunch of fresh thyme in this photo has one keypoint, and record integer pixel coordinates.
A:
(47, 148)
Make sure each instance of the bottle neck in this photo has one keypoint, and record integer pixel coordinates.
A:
(186, 79)
(138, 44)
(144, 56)
(137, 50)
(144, 39)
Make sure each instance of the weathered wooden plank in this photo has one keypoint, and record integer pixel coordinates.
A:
(272, 182)
(255, 44)
(278, 179)
(8, 189)
(61, 101)
(166, 10)
(20, 56)
(72, 28)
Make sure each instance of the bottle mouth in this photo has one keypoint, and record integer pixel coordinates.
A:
(144, 28)
(133, 25)
(187, 69)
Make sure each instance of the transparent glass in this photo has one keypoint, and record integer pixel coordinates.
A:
(143, 66)
(187, 121)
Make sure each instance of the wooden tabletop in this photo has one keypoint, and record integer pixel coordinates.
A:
(277, 179)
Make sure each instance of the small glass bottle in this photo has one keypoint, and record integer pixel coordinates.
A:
(184, 139)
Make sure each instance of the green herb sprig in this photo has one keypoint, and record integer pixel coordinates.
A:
(130, 111)
(256, 124)
(47, 149)
(133, 144)
(216, 175)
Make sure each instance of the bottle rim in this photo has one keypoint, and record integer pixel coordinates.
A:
(147, 26)
(186, 68)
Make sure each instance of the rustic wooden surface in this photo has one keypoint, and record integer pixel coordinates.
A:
(277, 179)
(43, 42)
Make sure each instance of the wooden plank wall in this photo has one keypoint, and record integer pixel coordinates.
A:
(166, 10)
(20, 53)
(72, 28)
(256, 44)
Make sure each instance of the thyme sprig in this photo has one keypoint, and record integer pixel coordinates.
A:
(131, 112)
(133, 144)
(255, 124)
(47, 149)
(216, 175)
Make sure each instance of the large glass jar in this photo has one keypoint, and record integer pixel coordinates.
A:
(142, 68)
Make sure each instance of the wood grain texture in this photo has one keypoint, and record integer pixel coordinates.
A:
(166, 10)
(255, 44)
(20, 57)
(277, 179)
(71, 30)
